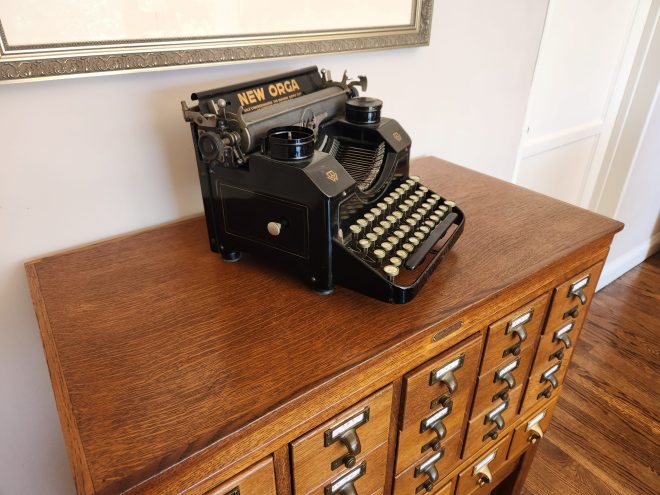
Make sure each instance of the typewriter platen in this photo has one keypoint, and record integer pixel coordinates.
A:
(300, 169)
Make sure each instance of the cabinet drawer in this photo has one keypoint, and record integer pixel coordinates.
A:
(571, 299)
(329, 450)
(417, 440)
(507, 336)
(366, 477)
(433, 466)
(532, 430)
(495, 385)
(488, 425)
(544, 384)
(450, 375)
(256, 480)
(428, 473)
(481, 472)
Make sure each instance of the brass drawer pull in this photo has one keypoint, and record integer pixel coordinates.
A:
(428, 468)
(561, 335)
(534, 428)
(577, 289)
(434, 422)
(346, 484)
(495, 416)
(505, 374)
(482, 472)
(346, 433)
(549, 375)
(516, 326)
(446, 374)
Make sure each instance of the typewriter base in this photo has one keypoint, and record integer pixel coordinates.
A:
(175, 373)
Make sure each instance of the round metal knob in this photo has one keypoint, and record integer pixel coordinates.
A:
(274, 228)
(349, 461)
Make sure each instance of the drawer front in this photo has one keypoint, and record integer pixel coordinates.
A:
(480, 474)
(532, 430)
(495, 385)
(544, 384)
(507, 336)
(417, 440)
(366, 477)
(341, 443)
(428, 474)
(488, 426)
(448, 376)
(256, 480)
(571, 299)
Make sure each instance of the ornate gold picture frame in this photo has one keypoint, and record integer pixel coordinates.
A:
(71, 38)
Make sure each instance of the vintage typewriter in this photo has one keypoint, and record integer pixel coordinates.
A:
(299, 169)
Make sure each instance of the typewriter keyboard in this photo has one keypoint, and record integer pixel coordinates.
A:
(396, 233)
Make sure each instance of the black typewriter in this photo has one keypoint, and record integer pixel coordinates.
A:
(300, 169)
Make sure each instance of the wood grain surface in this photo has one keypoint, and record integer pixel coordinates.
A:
(158, 350)
(604, 436)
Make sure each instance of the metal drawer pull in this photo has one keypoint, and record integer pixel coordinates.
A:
(495, 416)
(346, 484)
(558, 354)
(549, 375)
(562, 334)
(428, 468)
(434, 422)
(516, 326)
(577, 289)
(534, 428)
(346, 433)
(446, 374)
(482, 471)
(571, 313)
(513, 350)
(505, 374)
(546, 392)
(234, 491)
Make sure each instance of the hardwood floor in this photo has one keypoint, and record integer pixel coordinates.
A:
(605, 436)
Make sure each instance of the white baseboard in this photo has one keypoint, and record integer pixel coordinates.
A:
(615, 267)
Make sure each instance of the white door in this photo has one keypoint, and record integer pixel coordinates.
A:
(586, 54)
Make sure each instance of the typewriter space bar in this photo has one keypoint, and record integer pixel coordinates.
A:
(441, 229)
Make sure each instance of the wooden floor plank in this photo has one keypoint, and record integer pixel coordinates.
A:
(605, 436)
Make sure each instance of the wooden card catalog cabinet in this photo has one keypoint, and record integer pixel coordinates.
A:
(174, 372)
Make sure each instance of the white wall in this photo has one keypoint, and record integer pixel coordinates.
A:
(84, 159)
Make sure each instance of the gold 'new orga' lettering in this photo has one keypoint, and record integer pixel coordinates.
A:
(251, 96)
(283, 88)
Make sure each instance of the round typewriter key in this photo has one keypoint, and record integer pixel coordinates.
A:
(399, 234)
(391, 218)
(362, 223)
(404, 208)
(424, 189)
(414, 178)
(416, 216)
(429, 224)
(391, 271)
(355, 229)
(411, 221)
(409, 202)
(385, 224)
(434, 218)
(395, 197)
(364, 245)
(395, 261)
(400, 191)
(388, 200)
(404, 228)
(379, 254)
(414, 241)
(371, 237)
(408, 247)
(375, 212)
(369, 218)
(410, 182)
(431, 201)
(382, 206)
(414, 197)
(419, 235)
(387, 246)
(422, 211)
(436, 197)
(450, 204)
(379, 231)
(397, 214)
(401, 253)
(426, 206)
(405, 187)
(424, 229)
(444, 208)
(393, 240)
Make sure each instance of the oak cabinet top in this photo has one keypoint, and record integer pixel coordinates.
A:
(157, 348)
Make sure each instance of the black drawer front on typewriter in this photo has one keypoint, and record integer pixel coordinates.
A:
(264, 219)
